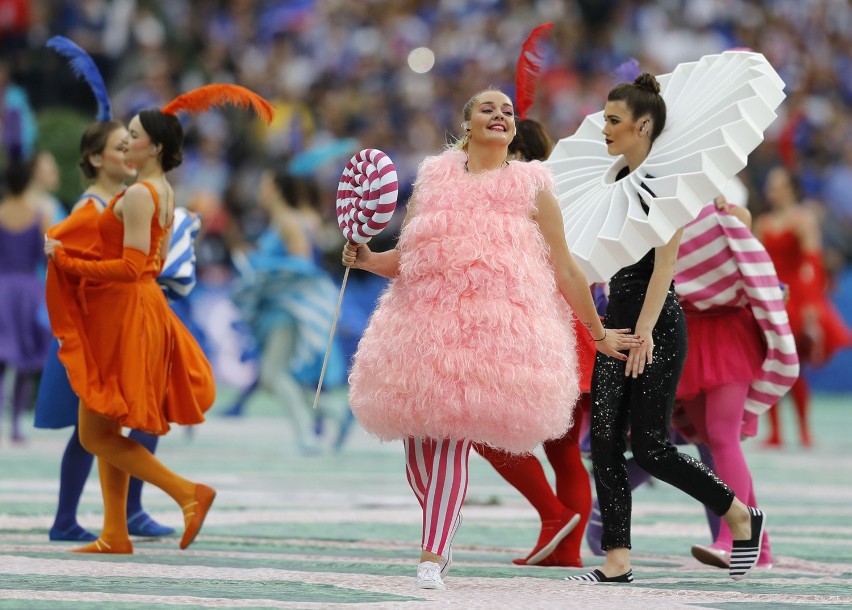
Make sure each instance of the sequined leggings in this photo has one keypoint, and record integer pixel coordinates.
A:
(643, 405)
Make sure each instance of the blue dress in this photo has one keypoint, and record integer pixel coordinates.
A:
(282, 289)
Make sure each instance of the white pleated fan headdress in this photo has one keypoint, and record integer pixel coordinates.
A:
(717, 110)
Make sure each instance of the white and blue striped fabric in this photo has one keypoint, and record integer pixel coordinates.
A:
(310, 302)
(277, 288)
(177, 277)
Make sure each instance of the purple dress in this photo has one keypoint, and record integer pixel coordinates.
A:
(23, 337)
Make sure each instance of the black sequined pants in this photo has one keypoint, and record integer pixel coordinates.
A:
(644, 406)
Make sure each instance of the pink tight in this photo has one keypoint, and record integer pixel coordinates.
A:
(437, 473)
(717, 416)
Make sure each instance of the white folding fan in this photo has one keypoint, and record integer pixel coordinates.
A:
(717, 110)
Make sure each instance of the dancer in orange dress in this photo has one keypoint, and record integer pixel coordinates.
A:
(129, 359)
(791, 235)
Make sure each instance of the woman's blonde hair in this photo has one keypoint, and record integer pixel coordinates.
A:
(462, 142)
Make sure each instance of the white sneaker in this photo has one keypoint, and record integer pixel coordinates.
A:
(445, 568)
(429, 576)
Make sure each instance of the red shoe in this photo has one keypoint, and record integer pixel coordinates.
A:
(562, 558)
(553, 531)
(567, 553)
(197, 511)
(772, 443)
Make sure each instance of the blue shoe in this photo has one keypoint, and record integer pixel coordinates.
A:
(346, 426)
(234, 411)
(75, 533)
(141, 524)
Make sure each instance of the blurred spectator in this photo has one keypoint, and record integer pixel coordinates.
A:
(791, 234)
(18, 126)
(42, 188)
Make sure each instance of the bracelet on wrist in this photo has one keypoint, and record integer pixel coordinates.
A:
(601, 339)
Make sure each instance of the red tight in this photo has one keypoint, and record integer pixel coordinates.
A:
(573, 489)
(801, 396)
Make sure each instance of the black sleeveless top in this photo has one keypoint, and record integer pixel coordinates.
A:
(633, 279)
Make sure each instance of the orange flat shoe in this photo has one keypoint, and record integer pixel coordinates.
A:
(99, 546)
(196, 511)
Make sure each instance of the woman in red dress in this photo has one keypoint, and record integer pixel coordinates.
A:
(791, 234)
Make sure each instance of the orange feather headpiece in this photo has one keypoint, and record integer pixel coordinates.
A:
(203, 98)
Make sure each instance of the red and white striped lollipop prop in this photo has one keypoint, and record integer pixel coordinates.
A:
(366, 200)
(366, 195)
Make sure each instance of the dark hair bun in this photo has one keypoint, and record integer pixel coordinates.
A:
(165, 130)
(648, 82)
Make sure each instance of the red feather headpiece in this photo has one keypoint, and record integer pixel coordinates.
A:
(203, 98)
(529, 66)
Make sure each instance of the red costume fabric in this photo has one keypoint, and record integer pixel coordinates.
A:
(805, 278)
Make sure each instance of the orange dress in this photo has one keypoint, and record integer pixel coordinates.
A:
(128, 357)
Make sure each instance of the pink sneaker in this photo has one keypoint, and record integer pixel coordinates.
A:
(711, 556)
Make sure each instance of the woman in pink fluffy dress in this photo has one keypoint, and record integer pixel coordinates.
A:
(472, 340)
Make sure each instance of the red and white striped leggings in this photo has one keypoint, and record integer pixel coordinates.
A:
(437, 473)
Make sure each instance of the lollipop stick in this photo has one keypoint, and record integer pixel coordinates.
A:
(331, 336)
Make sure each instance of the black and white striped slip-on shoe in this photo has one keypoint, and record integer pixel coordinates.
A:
(596, 577)
(744, 554)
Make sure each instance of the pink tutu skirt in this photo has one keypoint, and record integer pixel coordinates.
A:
(724, 347)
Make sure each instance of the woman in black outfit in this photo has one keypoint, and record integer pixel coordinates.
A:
(640, 396)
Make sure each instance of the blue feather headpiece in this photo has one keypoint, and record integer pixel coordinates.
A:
(84, 67)
(626, 72)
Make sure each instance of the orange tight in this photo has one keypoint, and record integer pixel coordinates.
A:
(119, 458)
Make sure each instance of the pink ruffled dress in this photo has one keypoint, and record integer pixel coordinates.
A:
(472, 339)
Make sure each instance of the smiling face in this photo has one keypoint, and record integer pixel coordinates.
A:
(492, 119)
(113, 162)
